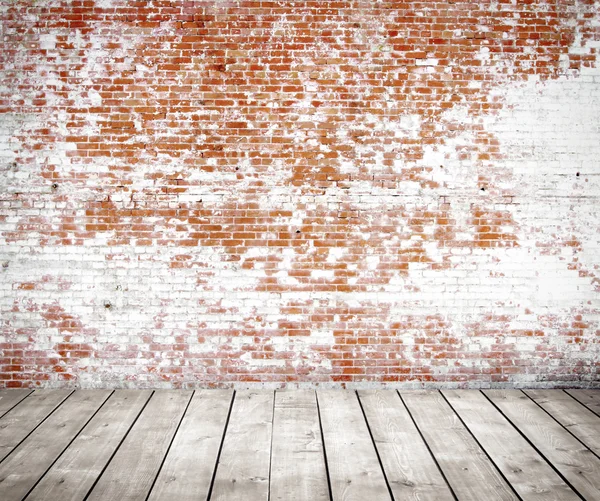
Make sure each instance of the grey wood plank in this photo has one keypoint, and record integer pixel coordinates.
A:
(589, 398)
(574, 416)
(354, 470)
(469, 471)
(297, 461)
(572, 459)
(410, 469)
(132, 470)
(16, 424)
(521, 464)
(32, 458)
(10, 398)
(74, 473)
(243, 469)
(188, 469)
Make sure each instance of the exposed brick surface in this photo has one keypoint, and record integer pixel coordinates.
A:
(208, 193)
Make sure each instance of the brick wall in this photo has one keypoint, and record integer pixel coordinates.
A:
(260, 192)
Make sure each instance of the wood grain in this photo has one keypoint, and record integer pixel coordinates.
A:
(32, 458)
(298, 463)
(131, 472)
(16, 424)
(10, 398)
(75, 472)
(409, 466)
(572, 459)
(589, 398)
(469, 471)
(66, 445)
(529, 474)
(574, 416)
(243, 469)
(188, 469)
(354, 470)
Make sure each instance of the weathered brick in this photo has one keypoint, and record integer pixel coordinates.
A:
(252, 192)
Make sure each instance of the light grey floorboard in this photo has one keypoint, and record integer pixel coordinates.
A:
(409, 466)
(131, 472)
(354, 470)
(589, 398)
(297, 462)
(576, 417)
(521, 464)
(573, 460)
(338, 445)
(16, 424)
(469, 471)
(243, 469)
(10, 398)
(75, 472)
(32, 458)
(187, 472)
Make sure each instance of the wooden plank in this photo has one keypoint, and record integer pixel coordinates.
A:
(243, 469)
(188, 469)
(131, 472)
(297, 462)
(574, 416)
(16, 424)
(589, 398)
(470, 473)
(410, 469)
(30, 460)
(75, 472)
(10, 398)
(354, 469)
(572, 459)
(522, 466)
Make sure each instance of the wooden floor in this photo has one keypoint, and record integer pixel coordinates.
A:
(299, 445)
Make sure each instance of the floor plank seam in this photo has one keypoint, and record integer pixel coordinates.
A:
(68, 445)
(500, 472)
(271, 451)
(214, 474)
(582, 403)
(117, 448)
(562, 477)
(17, 403)
(375, 447)
(427, 445)
(324, 448)
(170, 444)
(562, 425)
(38, 425)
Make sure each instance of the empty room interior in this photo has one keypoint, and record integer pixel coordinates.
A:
(299, 250)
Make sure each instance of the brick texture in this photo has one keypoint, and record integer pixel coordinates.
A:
(258, 192)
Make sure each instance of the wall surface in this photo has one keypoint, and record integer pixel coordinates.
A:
(213, 193)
